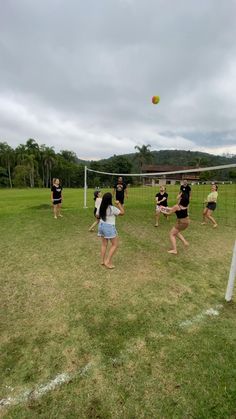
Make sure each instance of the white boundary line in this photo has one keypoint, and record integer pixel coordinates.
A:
(209, 312)
(42, 389)
(65, 378)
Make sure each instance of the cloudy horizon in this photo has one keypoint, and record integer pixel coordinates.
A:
(80, 75)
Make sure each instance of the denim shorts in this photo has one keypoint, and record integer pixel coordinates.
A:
(108, 231)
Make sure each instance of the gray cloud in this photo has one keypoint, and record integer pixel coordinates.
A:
(80, 75)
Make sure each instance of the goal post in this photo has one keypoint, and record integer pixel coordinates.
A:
(85, 186)
(232, 275)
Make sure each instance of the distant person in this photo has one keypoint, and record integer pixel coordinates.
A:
(97, 202)
(120, 190)
(161, 199)
(107, 214)
(181, 211)
(56, 197)
(211, 205)
(185, 188)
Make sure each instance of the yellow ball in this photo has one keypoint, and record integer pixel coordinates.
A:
(155, 100)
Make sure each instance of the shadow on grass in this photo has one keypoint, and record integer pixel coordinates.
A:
(40, 207)
(46, 207)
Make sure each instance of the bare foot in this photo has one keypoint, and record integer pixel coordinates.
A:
(55, 217)
(156, 225)
(60, 215)
(108, 266)
(215, 225)
(203, 224)
(186, 243)
(173, 252)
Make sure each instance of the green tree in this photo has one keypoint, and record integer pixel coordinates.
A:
(21, 174)
(20, 153)
(69, 156)
(144, 155)
(4, 182)
(7, 159)
(28, 156)
(120, 164)
(232, 174)
(49, 160)
(32, 147)
(32, 165)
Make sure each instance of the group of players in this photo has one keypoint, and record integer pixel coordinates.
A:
(105, 213)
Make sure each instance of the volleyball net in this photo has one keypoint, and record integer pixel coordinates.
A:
(142, 188)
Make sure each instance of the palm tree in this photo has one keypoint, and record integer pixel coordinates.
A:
(49, 159)
(32, 165)
(32, 147)
(28, 155)
(144, 155)
(21, 153)
(20, 156)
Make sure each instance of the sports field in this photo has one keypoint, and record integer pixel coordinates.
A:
(153, 338)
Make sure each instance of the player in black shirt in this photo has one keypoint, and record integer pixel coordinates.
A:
(185, 188)
(56, 197)
(120, 190)
(181, 211)
(161, 199)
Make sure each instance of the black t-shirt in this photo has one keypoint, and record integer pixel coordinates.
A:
(181, 213)
(120, 190)
(160, 196)
(186, 189)
(56, 191)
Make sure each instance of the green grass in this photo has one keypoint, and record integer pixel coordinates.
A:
(61, 311)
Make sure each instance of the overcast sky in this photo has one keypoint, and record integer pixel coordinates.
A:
(80, 74)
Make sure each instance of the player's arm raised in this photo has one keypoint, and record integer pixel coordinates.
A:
(168, 210)
(121, 208)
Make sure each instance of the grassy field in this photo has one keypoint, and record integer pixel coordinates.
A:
(152, 339)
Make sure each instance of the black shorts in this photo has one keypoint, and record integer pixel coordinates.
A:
(211, 206)
(56, 201)
(120, 199)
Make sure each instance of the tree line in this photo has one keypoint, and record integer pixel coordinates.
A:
(33, 165)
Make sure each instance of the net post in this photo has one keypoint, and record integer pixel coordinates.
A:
(232, 274)
(85, 187)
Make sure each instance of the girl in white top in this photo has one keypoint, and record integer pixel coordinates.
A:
(107, 214)
(211, 205)
(98, 200)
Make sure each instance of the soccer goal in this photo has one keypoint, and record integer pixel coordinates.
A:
(142, 188)
(232, 276)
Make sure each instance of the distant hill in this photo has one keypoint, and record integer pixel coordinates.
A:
(176, 157)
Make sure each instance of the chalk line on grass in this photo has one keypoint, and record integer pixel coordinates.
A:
(201, 316)
(42, 389)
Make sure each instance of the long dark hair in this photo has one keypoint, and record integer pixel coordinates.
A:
(106, 201)
(95, 195)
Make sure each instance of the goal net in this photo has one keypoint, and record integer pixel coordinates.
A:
(143, 187)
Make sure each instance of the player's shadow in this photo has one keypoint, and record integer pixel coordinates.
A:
(40, 207)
